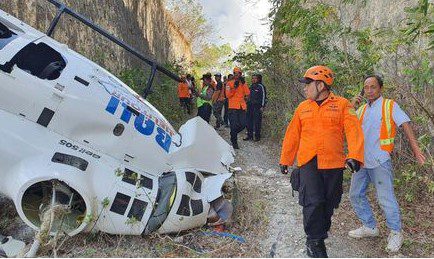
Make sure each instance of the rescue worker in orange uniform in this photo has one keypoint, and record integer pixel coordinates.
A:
(236, 92)
(315, 136)
(184, 94)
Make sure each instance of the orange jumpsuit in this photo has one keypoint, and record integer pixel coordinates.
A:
(319, 131)
(236, 95)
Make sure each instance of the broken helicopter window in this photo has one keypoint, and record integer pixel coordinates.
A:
(165, 197)
(39, 60)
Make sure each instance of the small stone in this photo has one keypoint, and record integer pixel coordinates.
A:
(178, 239)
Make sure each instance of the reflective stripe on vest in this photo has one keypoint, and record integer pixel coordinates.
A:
(388, 126)
(201, 101)
(361, 112)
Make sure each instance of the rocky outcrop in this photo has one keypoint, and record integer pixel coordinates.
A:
(143, 24)
(371, 13)
(363, 14)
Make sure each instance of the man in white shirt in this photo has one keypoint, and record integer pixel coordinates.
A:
(380, 119)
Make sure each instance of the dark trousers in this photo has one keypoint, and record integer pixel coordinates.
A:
(254, 120)
(186, 104)
(226, 112)
(320, 193)
(217, 111)
(205, 112)
(237, 121)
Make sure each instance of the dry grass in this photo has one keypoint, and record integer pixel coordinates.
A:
(417, 221)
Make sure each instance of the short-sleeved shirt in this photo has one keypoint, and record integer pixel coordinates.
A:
(374, 155)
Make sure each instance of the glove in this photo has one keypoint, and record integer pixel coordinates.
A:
(284, 169)
(353, 165)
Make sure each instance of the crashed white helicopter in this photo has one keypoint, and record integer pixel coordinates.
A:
(74, 135)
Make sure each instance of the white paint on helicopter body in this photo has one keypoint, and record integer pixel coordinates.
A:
(82, 126)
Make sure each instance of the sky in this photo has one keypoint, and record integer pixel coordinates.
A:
(234, 19)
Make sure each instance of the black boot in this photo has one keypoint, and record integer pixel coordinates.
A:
(248, 138)
(316, 249)
(235, 144)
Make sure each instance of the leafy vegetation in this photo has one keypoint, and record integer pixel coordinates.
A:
(191, 20)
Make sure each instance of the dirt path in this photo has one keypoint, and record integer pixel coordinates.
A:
(285, 236)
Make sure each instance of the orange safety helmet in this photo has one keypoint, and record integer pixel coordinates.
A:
(321, 73)
(237, 70)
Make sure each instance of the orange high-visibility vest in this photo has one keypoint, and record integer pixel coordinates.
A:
(388, 126)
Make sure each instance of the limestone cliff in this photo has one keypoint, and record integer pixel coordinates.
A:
(362, 14)
(143, 24)
(372, 14)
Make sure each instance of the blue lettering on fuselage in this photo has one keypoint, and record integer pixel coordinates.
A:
(163, 139)
(143, 125)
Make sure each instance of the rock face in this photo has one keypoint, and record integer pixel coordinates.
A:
(362, 14)
(370, 13)
(143, 24)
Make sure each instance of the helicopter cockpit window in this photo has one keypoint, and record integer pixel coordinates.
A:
(6, 36)
(164, 202)
(39, 60)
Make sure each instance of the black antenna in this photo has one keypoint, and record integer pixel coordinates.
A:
(62, 8)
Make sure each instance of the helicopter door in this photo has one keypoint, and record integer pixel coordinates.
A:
(131, 202)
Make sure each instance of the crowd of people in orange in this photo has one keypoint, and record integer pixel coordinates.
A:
(233, 104)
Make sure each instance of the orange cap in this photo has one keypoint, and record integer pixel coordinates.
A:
(321, 73)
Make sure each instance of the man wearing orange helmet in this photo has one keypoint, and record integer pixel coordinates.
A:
(236, 92)
(315, 136)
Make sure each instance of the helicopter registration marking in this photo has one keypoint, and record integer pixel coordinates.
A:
(78, 149)
(143, 123)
